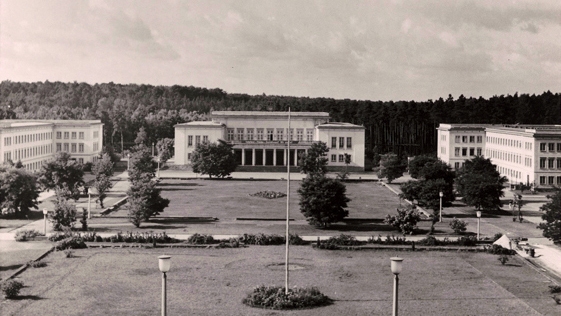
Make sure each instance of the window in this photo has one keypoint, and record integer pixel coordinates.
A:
(479, 151)
(189, 156)
(456, 165)
(205, 138)
(542, 180)
(81, 160)
(58, 147)
(333, 142)
(558, 163)
(58, 135)
(197, 140)
(190, 139)
(558, 180)
(239, 133)
(341, 142)
(81, 148)
(457, 151)
(66, 147)
(542, 163)
(309, 134)
(73, 148)
(230, 136)
(66, 135)
(259, 134)
(458, 139)
(551, 146)
(349, 142)
(341, 158)
(81, 135)
(464, 139)
(550, 179)
(300, 134)
(479, 139)
(333, 158)
(250, 134)
(550, 163)
(73, 135)
(472, 139)
(464, 151)
(542, 146)
(289, 133)
(280, 133)
(270, 133)
(472, 151)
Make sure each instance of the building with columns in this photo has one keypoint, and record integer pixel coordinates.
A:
(529, 154)
(34, 142)
(260, 138)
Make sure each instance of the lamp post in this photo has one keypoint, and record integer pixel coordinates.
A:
(396, 270)
(45, 212)
(89, 205)
(164, 263)
(511, 206)
(158, 173)
(440, 213)
(128, 161)
(478, 222)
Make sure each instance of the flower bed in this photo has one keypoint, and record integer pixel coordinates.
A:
(269, 194)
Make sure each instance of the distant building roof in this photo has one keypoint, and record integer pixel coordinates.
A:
(339, 125)
(210, 124)
(270, 113)
(33, 122)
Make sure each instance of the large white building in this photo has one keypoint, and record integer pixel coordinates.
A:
(529, 154)
(34, 142)
(260, 139)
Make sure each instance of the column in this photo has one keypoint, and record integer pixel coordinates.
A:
(243, 156)
(274, 157)
(285, 155)
(296, 157)
(253, 156)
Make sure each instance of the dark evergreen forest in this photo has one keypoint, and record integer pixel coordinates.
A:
(403, 127)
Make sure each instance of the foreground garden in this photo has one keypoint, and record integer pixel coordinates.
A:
(214, 281)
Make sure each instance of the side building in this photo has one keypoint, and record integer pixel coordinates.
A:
(260, 138)
(34, 142)
(529, 154)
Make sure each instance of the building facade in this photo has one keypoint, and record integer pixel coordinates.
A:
(260, 139)
(34, 142)
(529, 154)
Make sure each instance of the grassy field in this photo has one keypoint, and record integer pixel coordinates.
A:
(214, 281)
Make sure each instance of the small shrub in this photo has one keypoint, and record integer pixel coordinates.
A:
(269, 194)
(458, 225)
(274, 297)
(66, 233)
(71, 243)
(64, 215)
(554, 289)
(200, 239)
(84, 220)
(497, 236)
(405, 221)
(428, 241)
(69, 253)
(467, 241)
(390, 240)
(503, 259)
(498, 250)
(26, 234)
(11, 288)
(36, 264)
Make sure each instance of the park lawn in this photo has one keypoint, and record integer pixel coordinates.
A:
(214, 282)
(12, 259)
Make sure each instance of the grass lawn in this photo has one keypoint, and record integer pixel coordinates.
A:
(214, 282)
(13, 255)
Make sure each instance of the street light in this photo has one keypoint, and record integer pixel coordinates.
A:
(396, 270)
(164, 263)
(45, 212)
(441, 195)
(158, 173)
(128, 161)
(511, 206)
(478, 221)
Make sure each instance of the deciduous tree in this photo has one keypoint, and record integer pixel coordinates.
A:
(552, 217)
(323, 200)
(165, 149)
(480, 184)
(391, 167)
(141, 164)
(418, 163)
(214, 159)
(63, 175)
(18, 190)
(315, 160)
(103, 171)
(145, 201)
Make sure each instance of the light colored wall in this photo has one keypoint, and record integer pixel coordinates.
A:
(356, 152)
(182, 149)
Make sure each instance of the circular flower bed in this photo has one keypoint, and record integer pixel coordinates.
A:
(274, 297)
(269, 194)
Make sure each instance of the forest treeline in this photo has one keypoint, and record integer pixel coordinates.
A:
(403, 127)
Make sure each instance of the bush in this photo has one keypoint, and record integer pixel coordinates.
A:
(69, 253)
(64, 215)
(269, 194)
(274, 297)
(200, 239)
(554, 289)
(405, 221)
(269, 240)
(458, 225)
(11, 288)
(467, 241)
(498, 250)
(390, 240)
(26, 234)
(36, 264)
(503, 259)
(66, 233)
(497, 236)
(71, 243)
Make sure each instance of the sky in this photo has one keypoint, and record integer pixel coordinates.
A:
(365, 50)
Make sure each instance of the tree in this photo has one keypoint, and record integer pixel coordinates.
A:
(315, 160)
(18, 190)
(323, 200)
(141, 137)
(418, 163)
(141, 164)
(480, 184)
(165, 149)
(64, 214)
(214, 159)
(405, 221)
(145, 201)
(391, 167)
(552, 217)
(103, 171)
(63, 175)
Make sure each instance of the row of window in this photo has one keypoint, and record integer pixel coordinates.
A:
(463, 151)
(468, 139)
(341, 158)
(549, 163)
(272, 134)
(28, 138)
(70, 147)
(510, 173)
(341, 142)
(506, 156)
(550, 147)
(197, 140)
(30, 152)
(507, 142)
(70, 135)
(550, 180)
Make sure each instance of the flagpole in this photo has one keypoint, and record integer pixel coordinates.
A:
(287, 204)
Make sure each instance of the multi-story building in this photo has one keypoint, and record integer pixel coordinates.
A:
(529, 154)
(34, 142)
(260, 139)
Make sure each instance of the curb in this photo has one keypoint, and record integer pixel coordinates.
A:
(25, 265)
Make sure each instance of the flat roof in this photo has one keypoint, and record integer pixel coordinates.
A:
(270, 113)
(201, 124)
(339, 125)
(32, 122)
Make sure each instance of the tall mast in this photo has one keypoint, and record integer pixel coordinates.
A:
(288, 135)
